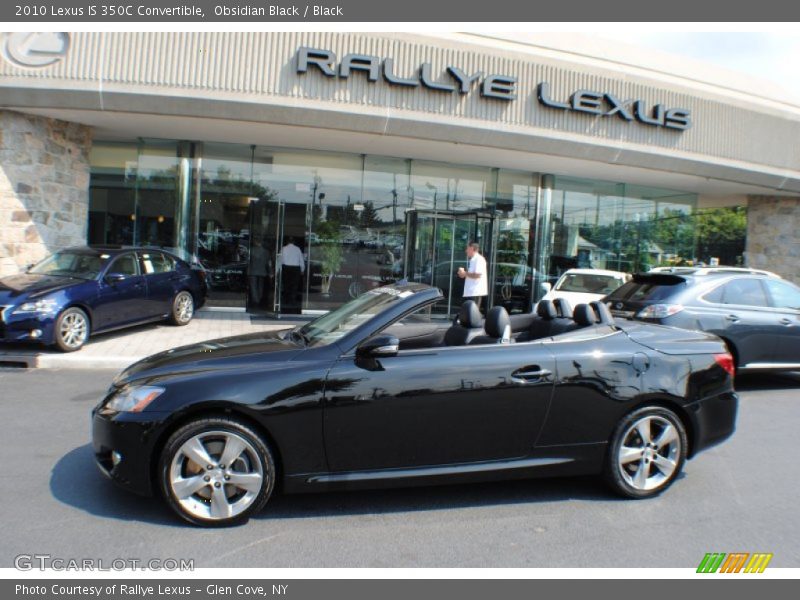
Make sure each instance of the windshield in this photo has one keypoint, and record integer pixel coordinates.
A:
(336, 324)
(71, 264)
(589, 283)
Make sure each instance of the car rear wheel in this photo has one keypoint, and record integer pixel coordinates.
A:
(647, 452)
(182, 308)
(71, 330)
(216, 472)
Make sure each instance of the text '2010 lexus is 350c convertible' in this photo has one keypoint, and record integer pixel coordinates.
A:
(381, 393)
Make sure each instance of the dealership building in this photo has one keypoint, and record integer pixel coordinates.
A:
(380, 156)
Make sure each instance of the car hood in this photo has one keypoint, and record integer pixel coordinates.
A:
(229, 353)
(671, 340)
(15, 288)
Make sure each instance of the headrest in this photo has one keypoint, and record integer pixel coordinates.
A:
(546, 310)
(563, 307)
(603, 314)
(584, 315)
(470, 315)
(496, 322)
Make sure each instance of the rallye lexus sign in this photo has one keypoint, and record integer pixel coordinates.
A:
(493, 86)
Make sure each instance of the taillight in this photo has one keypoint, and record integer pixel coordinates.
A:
(726, 362)
(659, 311)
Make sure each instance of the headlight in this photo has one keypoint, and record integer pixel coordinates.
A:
(134, 398)
(44, 306)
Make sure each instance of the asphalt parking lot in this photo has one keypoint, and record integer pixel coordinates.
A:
(738, 497)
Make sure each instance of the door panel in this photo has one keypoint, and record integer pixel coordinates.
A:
(785, 303)
(162, 281)
(263, 293)
(747, 321)
(124, 301)
(599, 371)
(436, 406)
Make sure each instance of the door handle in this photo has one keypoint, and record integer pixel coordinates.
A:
(732, 318)
(786, 321)
(530, 374)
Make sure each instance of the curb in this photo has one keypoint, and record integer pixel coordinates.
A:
(55, 361)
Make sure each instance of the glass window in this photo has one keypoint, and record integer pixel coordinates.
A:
(156, 262)
(648, 289)
(125, 265)
(715, 295)
(112, 193)
(515, 205)
(338, 323)
(626, 228)
(783, 294)
(744, 292)
(70, 264)
(590, 283)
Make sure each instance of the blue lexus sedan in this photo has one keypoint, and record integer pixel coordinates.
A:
(78, 292)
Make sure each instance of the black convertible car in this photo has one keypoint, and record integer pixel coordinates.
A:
(378, 393)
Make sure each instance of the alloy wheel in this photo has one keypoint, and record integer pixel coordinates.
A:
(650, 453)
(184, 307)
(73, 329)
(216, 475)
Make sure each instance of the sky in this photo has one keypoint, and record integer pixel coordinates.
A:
(771, 56)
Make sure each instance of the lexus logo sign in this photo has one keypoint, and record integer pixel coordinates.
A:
(34, 50)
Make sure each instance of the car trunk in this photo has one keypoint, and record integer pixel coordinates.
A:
(671, 340)
(643, 290)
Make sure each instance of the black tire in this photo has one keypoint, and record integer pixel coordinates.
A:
(649, 474)
(182, 308)
(198, 507)
(72, 329)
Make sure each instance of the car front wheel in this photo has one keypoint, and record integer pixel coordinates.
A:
(182, 308)
(71, 330)
(646, 453)
(216, 472)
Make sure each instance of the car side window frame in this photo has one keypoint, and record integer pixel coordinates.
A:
(755, 280)
(771, 299)
(156, 256)
(110, 268)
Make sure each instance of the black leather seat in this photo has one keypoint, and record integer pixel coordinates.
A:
(468, 325)
(603, 313)
(497, 328)
(563, 308)
(541, 327)
(551, 321)
(584, 316)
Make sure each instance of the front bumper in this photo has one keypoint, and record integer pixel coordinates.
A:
(27, 327)
(132, 436)
(714, 420)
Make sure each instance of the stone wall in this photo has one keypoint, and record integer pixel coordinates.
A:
(773, 235)
(44, 187)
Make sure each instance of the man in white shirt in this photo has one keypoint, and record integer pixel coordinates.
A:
(293, 265)
(476, 285)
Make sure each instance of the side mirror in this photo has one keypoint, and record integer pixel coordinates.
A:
(378, 346)
(113, 278)
(547, 286)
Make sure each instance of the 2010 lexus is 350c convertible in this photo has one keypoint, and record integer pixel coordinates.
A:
(380, 393)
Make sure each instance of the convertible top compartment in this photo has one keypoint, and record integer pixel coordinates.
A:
(671, 340)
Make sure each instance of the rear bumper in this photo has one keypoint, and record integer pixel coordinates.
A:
(714, 420)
